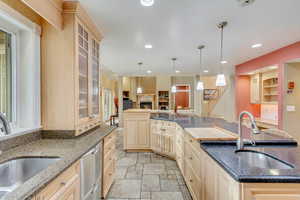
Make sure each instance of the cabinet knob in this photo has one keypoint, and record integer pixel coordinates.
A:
(191, 180)
(191, 158)
(191, 141)
(63, 183)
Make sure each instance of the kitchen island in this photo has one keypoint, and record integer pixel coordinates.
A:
(213, 169)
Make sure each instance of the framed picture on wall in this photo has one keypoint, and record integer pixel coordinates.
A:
(210, 94)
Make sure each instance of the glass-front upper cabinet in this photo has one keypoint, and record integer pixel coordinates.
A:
(83, 56)
(95, 79)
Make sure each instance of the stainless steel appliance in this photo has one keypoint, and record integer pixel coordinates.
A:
(91, 166)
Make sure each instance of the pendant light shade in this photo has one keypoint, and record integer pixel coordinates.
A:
(221, 80)
(173, 88)
(139, 90)
(200, 84)
(147, 2)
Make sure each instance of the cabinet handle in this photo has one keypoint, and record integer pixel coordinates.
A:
(63, 183)
(191, 141)
(191, 158)
(163, 129)
(191, 180)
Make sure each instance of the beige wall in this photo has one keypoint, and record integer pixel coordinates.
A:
(223, 107)
(24, 10)
(189, 80)
(291, 119)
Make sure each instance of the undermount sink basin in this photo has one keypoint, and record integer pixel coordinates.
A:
(15, 172)
(262, 160)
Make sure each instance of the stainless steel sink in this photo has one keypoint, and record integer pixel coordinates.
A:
(262, 160)
(15, 172)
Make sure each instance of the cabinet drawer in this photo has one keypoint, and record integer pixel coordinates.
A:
(108, 177)
(53, 187)
(193, 183)
(192, 157)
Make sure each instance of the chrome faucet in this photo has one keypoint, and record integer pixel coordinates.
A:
(5, 124)
(254, 128)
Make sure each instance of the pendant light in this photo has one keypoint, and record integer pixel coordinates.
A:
(200, 85)
(139, 90)
(221, 80)
(173, 88)
(147, 3)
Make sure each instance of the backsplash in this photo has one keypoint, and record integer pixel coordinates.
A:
(269, 112)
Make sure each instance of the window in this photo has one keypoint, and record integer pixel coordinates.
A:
(5, 75)
(107, 110)
(19, 70)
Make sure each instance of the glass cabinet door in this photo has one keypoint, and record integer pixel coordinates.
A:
(95, 79)
(83, 53)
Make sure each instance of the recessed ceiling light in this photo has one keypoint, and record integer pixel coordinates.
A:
(149, 71)
(223, 62)
(148, 46)
(256, 45)
(177, 71)
(205, 71)
(147, 2)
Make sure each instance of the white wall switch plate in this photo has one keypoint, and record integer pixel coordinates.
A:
(291, 108)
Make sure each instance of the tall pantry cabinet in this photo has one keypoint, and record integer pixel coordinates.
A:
(71, 73)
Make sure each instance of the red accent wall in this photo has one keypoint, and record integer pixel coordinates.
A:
(279, 58)
(243, 96)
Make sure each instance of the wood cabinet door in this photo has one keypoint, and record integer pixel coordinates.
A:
(271, 191)
(95, 80)
(83, 72)
(70, 191)
(143, 134)
(209, 179)
(131, 132)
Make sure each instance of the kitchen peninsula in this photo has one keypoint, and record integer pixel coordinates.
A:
(212, 168)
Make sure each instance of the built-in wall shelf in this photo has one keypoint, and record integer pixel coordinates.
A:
(163, 100)
(270, 86)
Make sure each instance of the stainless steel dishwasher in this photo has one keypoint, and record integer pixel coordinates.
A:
(91, 166)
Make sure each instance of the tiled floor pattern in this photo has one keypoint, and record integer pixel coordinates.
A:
(146, 176)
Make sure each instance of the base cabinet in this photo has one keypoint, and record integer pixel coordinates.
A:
(136, 131)
(163, 138)
(109, 163)
(65, 187)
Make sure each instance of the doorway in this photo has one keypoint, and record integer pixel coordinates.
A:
(183, 96)
(291, 100)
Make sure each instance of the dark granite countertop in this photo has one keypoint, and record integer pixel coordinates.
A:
(69, 150)
(251, 169)
(241, 169)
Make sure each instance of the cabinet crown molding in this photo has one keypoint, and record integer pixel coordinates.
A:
(74, 7)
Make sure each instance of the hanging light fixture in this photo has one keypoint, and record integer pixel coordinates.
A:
(147, 2)
(139, 90)
(173, 88)
(200, 85)
(221, 80)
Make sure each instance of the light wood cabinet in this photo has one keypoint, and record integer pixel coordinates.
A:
(255, 89)
(65, 187)
(71, 73)
(271, 191)
(163, 138)
(137, 130)
(109, 163)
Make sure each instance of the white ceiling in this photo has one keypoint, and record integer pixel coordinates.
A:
(176, 27)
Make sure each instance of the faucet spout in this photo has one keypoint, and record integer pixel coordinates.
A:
(254, 129)
(5, 124)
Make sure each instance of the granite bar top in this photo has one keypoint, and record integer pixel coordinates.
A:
(241, 167)
(69, 150)
(245, 169)
(193, 121)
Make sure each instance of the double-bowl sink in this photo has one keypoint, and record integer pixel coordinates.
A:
(17, 171)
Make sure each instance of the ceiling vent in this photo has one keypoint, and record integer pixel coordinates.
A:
(244, 3)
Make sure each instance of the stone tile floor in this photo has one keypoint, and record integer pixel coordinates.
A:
(146, 176)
